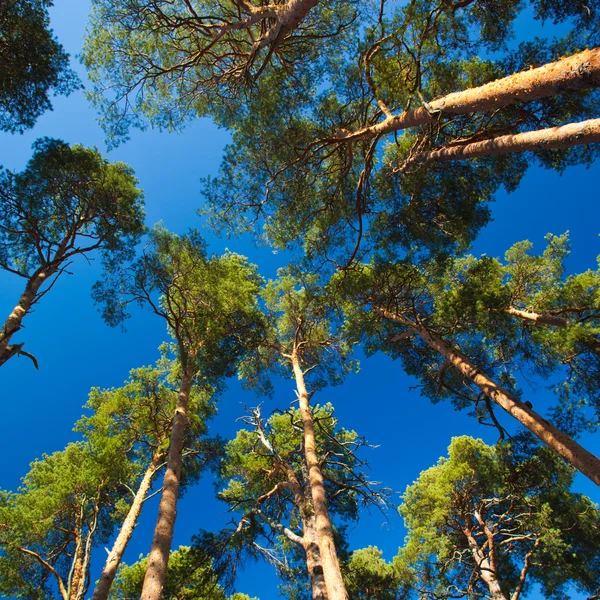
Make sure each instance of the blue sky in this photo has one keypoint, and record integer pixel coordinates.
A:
(76, 351)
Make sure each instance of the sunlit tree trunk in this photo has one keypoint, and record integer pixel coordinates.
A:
(116, 554)
(571, 74)
(553, 320)
(13, 323)
(569, 449)
(485, 569)
(336, 589)
(313, 560)
(158, 558)
(574, 134)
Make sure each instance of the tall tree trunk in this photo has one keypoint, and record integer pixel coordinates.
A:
(573, 134)
(116, 554)
(569, 449)
(574, 73)
(314, 565)
(336, 589)
(554, 320)
(13, 323)
(158, 558)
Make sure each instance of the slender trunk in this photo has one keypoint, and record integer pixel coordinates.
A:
(573, 73)
(77, 565)
(116, 554)
(158, 558)
(485, 569)
(331, 567)
(554, 320)
(569, 449)
(13, 323)
(573, 134)
(313, 560)
(84, 582)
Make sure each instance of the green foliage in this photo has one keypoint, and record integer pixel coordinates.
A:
(209, 303)
(162, 63)
(479, 293)
(34, 64)
(189, 578)
(63, 508)
(135, 420)
(369, 577)
(299, 318)
(287, 176)
(68, 201)
(473, 304)
(264, 477)
(250, 470)
(517, 499)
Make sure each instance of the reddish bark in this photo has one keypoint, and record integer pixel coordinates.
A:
(485, 566)
(569, 449)
(574, 134)
(14, 320)
(573, 73)
(107, 576)
(158, 558)
(554, 320)
(334, 583)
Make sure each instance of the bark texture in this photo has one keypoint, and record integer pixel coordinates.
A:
(289, 16)
(571, 74)
(569, 449)
(336, 590)
(573, 134)
(15, 319)
(158, 558)
(485, 568)
(116, 554)
(313, 560)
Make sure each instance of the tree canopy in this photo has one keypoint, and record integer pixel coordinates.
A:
(365, 145)
(69, 201)
(491, 521)
(34, 64)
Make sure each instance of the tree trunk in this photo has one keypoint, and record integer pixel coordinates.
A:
(554, 320)
(77, 573)
(336, 589)
(116, 554)
(569, 449)
(158, 558)
(485, 569)
(313, 560)
(574, 134)
(574, 73)
(13, 323)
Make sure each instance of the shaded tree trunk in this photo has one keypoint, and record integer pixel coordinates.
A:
(573, 134)
(336, 589)
(571, 74)
(116, 554)
(569, 449)
(158, 558)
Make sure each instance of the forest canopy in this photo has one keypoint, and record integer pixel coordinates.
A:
(345, 344)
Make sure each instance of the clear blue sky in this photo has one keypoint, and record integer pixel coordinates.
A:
(76, 351)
